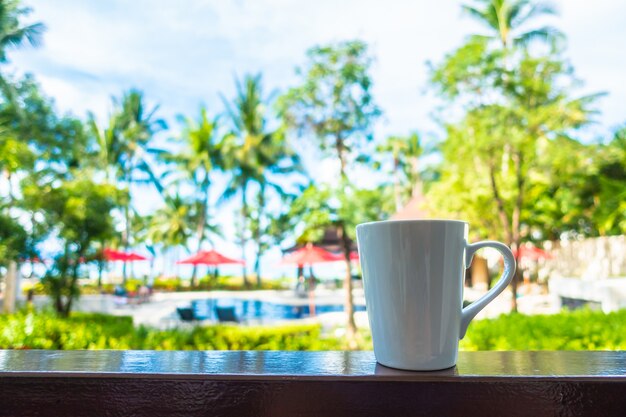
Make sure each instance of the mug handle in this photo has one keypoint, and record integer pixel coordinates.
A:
(469, 312)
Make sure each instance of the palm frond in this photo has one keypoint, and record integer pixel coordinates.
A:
(531, 11)
(486, 18)
(230, 191)
(513, 10)
(145, 167)
(544, 34)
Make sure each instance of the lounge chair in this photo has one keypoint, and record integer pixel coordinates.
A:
(186, 314)
(226, 314)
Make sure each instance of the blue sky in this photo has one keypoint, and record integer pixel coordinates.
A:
(183, 54)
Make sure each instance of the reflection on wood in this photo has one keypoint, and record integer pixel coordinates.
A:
(307, 384)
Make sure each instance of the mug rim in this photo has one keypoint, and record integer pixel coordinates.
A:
(382, 222)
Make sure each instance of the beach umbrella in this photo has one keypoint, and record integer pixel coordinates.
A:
(210, 257)
(310, 255)
(113, 255)
(532, 253)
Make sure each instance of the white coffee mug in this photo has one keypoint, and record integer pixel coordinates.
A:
(413, 274)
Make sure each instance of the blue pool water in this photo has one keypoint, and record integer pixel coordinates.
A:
(261, 310)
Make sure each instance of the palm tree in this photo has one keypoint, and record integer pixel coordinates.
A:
(405, 153)
(260, 221)
(201, 155)
(141, 224)
(252, 153)
(170, 224)
(12, 33)
(124, 146)
(508, 20)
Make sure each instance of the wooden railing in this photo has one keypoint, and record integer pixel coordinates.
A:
(148, 383)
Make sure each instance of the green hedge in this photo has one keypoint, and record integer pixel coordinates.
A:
(44, 330)
(579, 330)
(576, 330)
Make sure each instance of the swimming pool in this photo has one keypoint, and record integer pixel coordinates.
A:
(262, 310)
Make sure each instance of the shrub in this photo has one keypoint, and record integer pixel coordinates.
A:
(45, 330)
(167, 284)
(576, 330)
(579, 330)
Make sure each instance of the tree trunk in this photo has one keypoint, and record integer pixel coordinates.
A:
(300, 275)
(151, 273)
(516, 225)
(201, 226)
(349, 302)
(59, 306)
(508, 229)
(67, 307)
(56, 287)
(417, 188)
(259, 253)
(258, 236)
(345, 241)
(10, 288)
(10, 194)
(177, 265)
(397, 189)
(339, 147)
(244, 218)
(126, 237)
(100, 269)
(257, 268)
(73, 283)
(504, 218)
(312, 311)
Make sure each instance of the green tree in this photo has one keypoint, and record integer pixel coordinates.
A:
(125, 149)
(333, 102)
(200, 156)
(404, 153)
(473, 73)
(510, 21)
(36, 147)
(501, 142)
(31, 131)
(13, 33)
(170, 224)
(77, 213)
(254, 154)
(13, 240)
(15, 156)
(609, 213)
(561, 195)
(333, 105)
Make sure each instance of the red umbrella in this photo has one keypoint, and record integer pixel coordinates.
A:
(310, 255)
(116, 255)
(210, 257)
(531, 252)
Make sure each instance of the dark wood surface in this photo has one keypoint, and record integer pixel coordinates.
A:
(149, 383)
